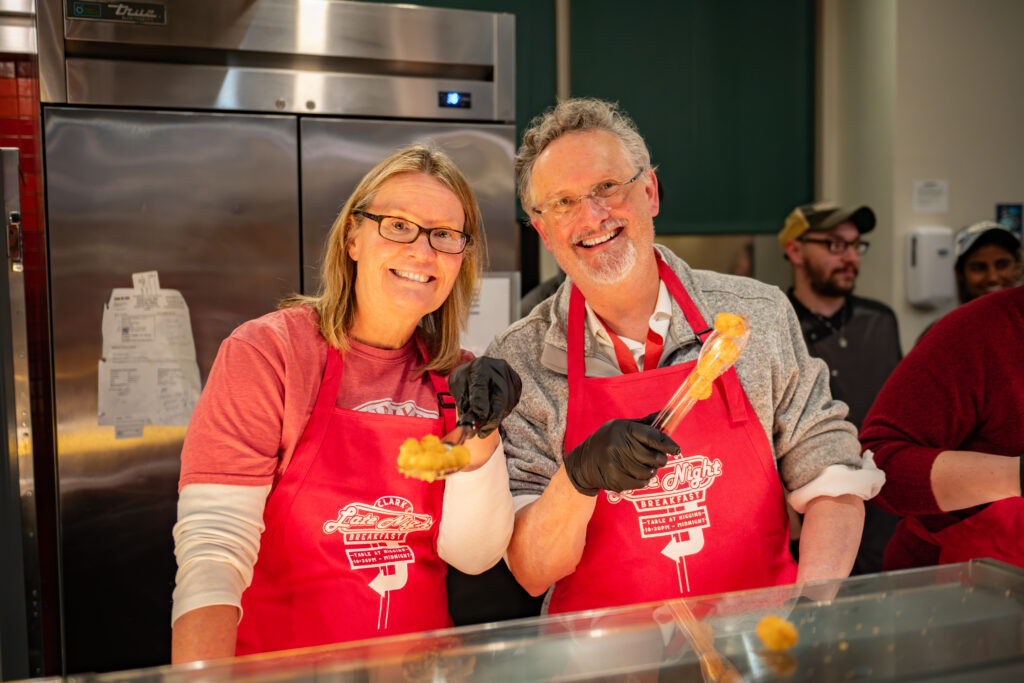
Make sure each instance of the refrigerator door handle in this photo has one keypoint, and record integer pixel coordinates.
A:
(14, 242)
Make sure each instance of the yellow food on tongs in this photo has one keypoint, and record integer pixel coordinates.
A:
(721, 349)
(433, 458)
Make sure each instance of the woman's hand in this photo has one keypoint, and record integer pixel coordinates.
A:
(485, 391)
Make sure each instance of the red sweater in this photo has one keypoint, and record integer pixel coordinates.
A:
(960, 388)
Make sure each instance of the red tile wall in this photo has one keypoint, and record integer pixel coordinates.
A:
(20, 127)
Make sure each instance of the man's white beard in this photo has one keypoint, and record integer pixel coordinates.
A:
(613, 266)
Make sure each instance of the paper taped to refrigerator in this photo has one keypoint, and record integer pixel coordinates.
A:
(489, 313)
(148, 372)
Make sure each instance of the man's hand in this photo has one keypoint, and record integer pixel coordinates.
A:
(620, 456)
(485, 392)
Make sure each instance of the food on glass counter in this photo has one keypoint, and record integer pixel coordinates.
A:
(781, 664)
(777, 634)
(429, 458)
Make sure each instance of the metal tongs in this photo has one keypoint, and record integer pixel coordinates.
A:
(720, 350)
(466, 428)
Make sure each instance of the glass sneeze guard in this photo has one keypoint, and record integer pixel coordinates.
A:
(960, 622)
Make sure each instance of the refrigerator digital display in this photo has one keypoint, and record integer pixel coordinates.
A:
(87, 9)
(454, 100)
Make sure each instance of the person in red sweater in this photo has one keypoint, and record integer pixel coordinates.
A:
(947, 430)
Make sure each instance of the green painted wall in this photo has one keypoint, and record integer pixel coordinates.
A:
(722, 91)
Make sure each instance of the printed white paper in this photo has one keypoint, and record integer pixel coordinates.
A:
(148, 372)
(931, 196)
(147, 282)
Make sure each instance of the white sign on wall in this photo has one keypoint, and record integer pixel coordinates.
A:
(931, 196)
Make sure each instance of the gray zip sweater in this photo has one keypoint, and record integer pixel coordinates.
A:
(787, 387)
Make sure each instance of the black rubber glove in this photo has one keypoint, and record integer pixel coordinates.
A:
(485, 391)
(621, 455)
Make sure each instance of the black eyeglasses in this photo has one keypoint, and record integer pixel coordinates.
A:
(609, 193)
(404, 231)
(837, 245)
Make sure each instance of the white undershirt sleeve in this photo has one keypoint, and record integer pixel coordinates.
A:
(477, 516)
(216, 541)
(837, 480)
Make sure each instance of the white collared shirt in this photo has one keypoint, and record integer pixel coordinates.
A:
(659, 322)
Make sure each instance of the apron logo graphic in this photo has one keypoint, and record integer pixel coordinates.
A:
(672, 504)
(374, 537)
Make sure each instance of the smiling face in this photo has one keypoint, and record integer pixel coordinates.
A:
(601, 243)
(397, 284)
(988, 268)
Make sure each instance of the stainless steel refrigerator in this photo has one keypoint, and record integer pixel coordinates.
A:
(214, 143)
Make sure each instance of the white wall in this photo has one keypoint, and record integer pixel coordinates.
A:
(855, 103)
(912, 90)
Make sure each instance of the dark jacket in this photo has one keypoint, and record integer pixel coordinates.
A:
(861, 346)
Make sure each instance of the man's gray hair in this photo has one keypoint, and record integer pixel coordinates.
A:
(571, 116)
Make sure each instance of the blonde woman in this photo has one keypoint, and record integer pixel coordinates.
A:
(294, 526)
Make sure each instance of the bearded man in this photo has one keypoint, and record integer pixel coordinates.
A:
(610, 510)
(857, 338)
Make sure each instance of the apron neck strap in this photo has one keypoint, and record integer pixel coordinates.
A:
(445, 401)
(577, 324)
(690, 311)
(574, 338)
(729, 382)
(328, 394)
(627, 364)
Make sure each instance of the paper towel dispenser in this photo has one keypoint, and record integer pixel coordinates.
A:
(930, 279)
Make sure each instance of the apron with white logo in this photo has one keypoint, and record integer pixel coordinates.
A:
(350, 547)
(712, 520)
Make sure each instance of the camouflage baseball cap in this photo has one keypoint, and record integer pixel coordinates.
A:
(824, 216)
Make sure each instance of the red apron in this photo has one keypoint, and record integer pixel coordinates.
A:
(997, 531)
(350, 547)
(712, 520)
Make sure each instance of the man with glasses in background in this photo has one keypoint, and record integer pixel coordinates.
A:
(610, 510)
(857, 338)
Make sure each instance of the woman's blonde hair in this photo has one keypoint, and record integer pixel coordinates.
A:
(335, 302)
